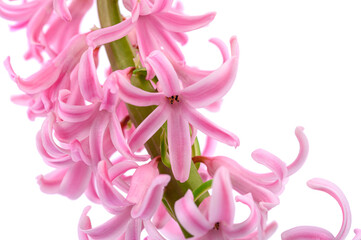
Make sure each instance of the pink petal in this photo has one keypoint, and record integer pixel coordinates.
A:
(177, 22)
(221, 209)
(161, 5)
(110, 197)
(222, 48)
(41, 80)
(84, 223)
(146, 43)
(141, 180)
(133, 230)
(96, 136)
(165, 73)
(213, 87)
(336, 193)
(59, 161)
(110, 34)
(358, 234)
(152, 198)
(62, 10)
(179, 142)
(210, 147)
(149, 126)
(74, 113)
(246, 227)
(91, 193)
(275, 164)
(119, 141)
(152, 230)
(109, 230)
(166, 41)
(51, 182)
(307, 232)
(161, 217)
(209, 128)
(88, 80)
(75, 181)
(133, 95)
(303, 152)
(19, 13)
(47, 140)
(121, 168)
(190, 217)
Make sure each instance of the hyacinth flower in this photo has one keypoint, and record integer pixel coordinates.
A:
(216, 220)
(157, 26)
(37, 15)
(42, 88)
(177, 107)
(311, 232)
(133, 213)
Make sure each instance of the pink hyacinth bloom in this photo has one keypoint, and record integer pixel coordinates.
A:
(42, 88)
(177, 107)
(310, 232)
(157, 25)
(132, 213)
(217, 221)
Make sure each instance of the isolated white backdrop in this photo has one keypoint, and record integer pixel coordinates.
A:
(299, 65)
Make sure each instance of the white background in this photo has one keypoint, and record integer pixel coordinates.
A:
(299, 66)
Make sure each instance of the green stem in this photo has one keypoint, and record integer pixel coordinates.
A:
(121, 55)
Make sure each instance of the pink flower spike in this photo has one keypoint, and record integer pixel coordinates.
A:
(307, 232)
(62, 10)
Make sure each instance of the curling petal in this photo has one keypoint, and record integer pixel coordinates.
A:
(110, 34)
(213, 87)
(177, 22)
(190, 217)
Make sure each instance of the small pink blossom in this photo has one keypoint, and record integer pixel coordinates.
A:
(132, 213)
(177, 107)
(216, 221)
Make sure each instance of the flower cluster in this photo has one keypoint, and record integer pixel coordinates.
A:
(96, 131)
